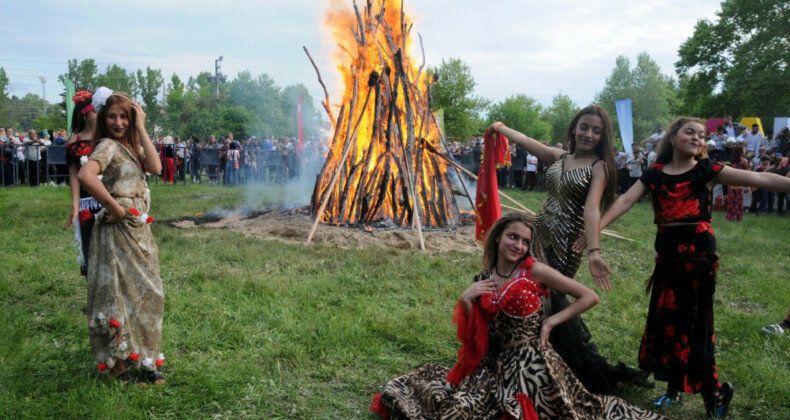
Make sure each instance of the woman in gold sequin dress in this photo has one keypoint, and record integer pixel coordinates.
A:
(579, 184)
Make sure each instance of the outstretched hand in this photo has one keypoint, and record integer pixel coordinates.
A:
(599, 270)
(580, 244)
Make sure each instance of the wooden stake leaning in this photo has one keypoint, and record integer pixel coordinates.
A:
(337, 173)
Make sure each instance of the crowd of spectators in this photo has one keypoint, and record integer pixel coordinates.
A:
(36, 158)
(228, 161)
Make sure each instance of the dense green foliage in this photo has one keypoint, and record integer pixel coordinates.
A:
(246, 105)
(453, 92)
(522, 113)
(653, 95)
(740, 63)
(262, 329)
(558, 115)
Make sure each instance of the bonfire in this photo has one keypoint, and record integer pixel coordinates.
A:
(382, 165)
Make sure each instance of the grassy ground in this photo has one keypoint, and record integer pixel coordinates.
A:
(260, 329)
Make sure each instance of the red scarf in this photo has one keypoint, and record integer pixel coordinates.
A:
(487, 210)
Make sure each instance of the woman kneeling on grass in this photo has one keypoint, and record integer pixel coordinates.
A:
(125, 297)
(677, 345)
(506, 365)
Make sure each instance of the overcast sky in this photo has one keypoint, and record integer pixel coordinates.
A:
(538, 48)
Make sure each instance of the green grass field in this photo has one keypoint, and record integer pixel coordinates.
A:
(261, 329)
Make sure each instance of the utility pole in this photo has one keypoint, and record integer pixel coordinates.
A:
(218, 77)
(43, 94)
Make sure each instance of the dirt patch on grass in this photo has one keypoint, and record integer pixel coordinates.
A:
(293, 227)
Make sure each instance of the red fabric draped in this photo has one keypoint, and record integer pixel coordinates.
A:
(527, 408)
(472, 332)
(487, 210)
(379, 408)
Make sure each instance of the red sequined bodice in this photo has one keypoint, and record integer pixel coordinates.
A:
(519, 298)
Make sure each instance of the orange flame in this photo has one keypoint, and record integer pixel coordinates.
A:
(384, 115)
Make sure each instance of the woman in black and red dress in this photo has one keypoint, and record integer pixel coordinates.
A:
(83, 206)
(677, 344)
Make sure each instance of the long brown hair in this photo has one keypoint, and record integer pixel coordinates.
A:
(490, 244)
(131, 138)
(603, 149)
(665, 148)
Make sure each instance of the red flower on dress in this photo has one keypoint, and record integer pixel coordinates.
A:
(114, 323)
(689, 266)
(84, 151)
(677, 205)
(134, 211)
(717, 167)
(159, 362)
(686, 249)
(149, 219)
(670, 331)
(134, 357)
(667, 300)
(85, 215)
(102, 367)
(682, 349)
(703, 227)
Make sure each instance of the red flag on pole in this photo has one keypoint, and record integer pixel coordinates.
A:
(487, 210)
(300, 127)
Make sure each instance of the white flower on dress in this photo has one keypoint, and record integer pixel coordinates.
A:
(148, 363)
(83, 160)
(161, 356)
(123, 346)
(100, 316)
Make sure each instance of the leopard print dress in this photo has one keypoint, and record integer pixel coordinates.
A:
(490, 392)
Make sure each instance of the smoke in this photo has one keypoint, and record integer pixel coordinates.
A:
(285, 187)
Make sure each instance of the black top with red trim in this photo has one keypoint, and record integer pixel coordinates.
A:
(74, 153)
(683, 198)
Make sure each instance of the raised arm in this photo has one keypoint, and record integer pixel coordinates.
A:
(621, 206)
(585, 298)
(763, 180)
(152, 164)
(543, 152)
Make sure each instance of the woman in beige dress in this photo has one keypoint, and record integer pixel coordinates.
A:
(125, 297)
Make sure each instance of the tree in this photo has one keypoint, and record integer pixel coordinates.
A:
(311, 117)
(453, 93)
(83, 74)
(653, 94)
(118, 79)
(22, 111)
(521, 113)
(559, 115)
(150, 83)
(739, 64)
(4, 101)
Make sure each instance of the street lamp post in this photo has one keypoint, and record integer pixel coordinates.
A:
(218, 77)
(43, 94)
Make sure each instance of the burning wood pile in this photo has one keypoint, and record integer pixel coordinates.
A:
(382, 164)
